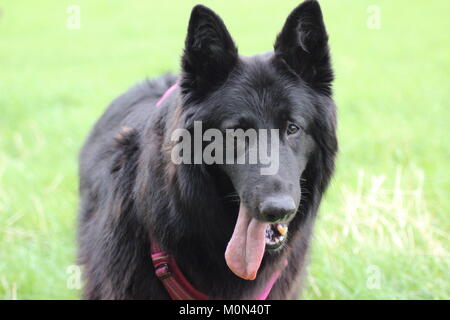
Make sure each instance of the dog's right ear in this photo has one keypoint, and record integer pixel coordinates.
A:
(209, 55)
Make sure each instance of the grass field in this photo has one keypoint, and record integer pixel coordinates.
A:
(384, 229)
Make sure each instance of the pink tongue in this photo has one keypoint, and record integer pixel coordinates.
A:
(246, 247)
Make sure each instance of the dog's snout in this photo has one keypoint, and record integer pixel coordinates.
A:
(277, 208)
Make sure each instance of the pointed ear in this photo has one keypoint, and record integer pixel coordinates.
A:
(209, 55)
(303, 45)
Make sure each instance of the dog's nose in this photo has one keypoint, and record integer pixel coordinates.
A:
(277, 208)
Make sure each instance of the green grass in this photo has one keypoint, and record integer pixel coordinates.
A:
(385, 242)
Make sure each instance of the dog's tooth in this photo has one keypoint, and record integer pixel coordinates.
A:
(282, 229)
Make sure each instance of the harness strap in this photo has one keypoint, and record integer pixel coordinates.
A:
(166, 269)
(167, 93)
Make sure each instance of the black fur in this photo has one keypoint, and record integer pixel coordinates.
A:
(130, 189)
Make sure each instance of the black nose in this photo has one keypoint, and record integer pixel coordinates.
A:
(277, 208)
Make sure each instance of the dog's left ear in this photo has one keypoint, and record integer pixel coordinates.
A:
(303, 45)
(209, 55)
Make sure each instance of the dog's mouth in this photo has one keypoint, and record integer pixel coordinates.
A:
(250, 240)
(276, 235)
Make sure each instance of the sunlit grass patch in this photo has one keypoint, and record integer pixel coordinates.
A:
(381, 239)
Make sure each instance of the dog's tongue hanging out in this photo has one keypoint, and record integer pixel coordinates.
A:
(247, 244)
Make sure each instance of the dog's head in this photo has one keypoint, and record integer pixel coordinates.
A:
(286, 92)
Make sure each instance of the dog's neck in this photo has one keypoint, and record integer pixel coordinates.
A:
(197, 237)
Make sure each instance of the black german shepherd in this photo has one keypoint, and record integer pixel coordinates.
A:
(226, 225)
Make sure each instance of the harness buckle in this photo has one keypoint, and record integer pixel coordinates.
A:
(163, 271)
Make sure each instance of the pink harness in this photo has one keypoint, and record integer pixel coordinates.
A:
(167, 270)
(176, 284)
(167, 93)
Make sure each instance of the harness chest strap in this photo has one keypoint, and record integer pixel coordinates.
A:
(166, 269)
(179, 288)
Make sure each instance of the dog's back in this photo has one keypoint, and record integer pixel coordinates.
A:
(111, 142)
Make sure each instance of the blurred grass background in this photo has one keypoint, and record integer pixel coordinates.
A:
(383, 231)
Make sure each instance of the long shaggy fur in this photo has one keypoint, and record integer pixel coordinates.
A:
(130, 189)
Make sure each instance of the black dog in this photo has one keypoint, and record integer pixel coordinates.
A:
(225, 225)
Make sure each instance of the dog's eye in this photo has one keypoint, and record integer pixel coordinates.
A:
(292, 128)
